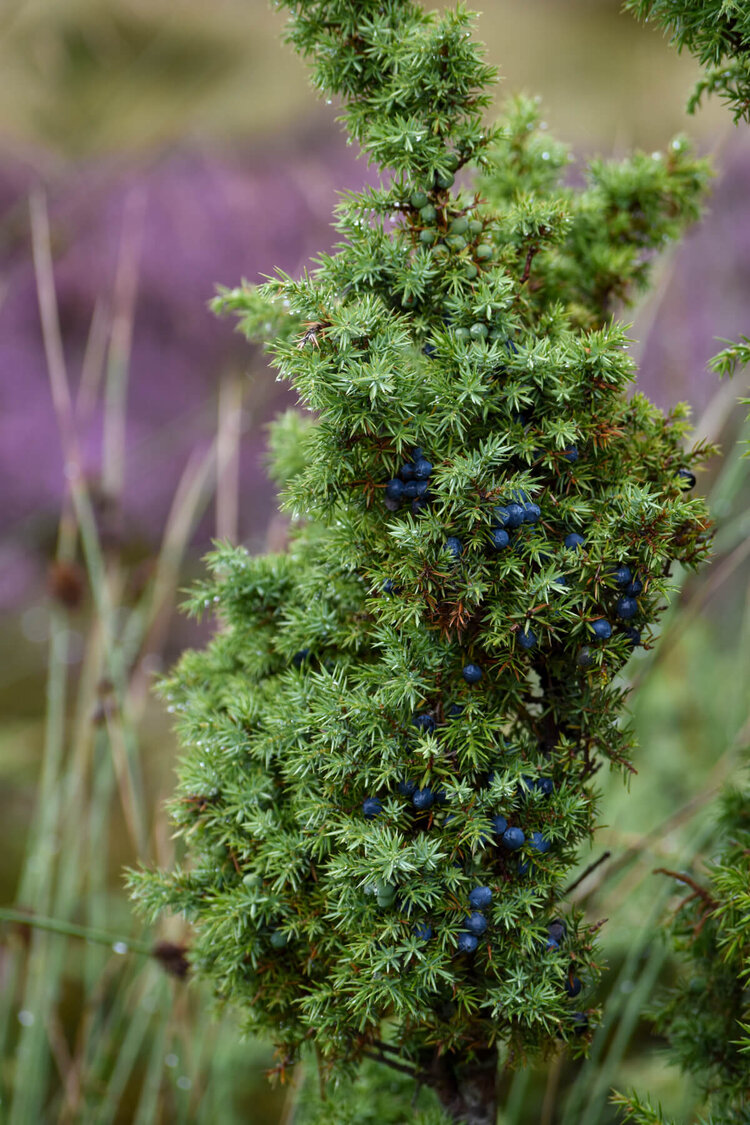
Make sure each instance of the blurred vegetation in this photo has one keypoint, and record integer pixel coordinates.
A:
(92, 1030)
(93, 76)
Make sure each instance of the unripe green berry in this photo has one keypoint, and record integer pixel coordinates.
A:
(462, 334)
(418, 199)
(483, 251)
(479, 331)
(471, 271)
(428, 214)
(428, 236)
(444, 179)
(452, 161)
(475, 226)
(456, 242)
(460, 225)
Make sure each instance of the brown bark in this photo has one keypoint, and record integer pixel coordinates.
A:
(467, 1088)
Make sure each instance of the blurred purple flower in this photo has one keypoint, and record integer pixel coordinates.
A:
(207, 219)
(705, 293)
(212, 219)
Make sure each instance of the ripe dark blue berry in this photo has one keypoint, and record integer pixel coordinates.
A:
(454, 546)
(574, 541)
(472, 673)
(406, 472)
(539, 843)
(300, 657)
(394, 490)
(424, 722)
(545, 785)
(467, 943)
(480, 897)
(550, 944)
(580, 1022)
(500, 516)
(573, 987)
(372, 807)
(622, 574)
(499, 824)
(417, 453)
(531, 513)
(527, 639)
(634, 588)
(513, 839)
(585, 657)
(686, 478)
(411, 489)
(499, 539)
(571, 454)
(601, 629)
(633, 635)
(476, 923)
(626, 608)
(557, 930)
(456, 710)
(515, 515)
(422, 469)
(406, 787)
(423, 798)
(422, 931)
(388, 586)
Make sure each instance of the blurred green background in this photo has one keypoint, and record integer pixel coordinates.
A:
(187, 103)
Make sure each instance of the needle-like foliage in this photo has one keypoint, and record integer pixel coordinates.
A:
(717, 32)
(391, 741)
(706, 1017)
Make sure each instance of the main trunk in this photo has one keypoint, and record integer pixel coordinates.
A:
(468, 1089)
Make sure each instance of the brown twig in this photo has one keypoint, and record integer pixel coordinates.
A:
(697, 889)
(589, 870)
(378, 1056)
(533, 251)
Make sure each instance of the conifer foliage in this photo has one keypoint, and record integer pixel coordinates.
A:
(706, 1017)
(391, 740)
(717, 32)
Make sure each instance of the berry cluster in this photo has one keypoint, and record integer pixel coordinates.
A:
(511, 838)
(446, 229)
(410, 484)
